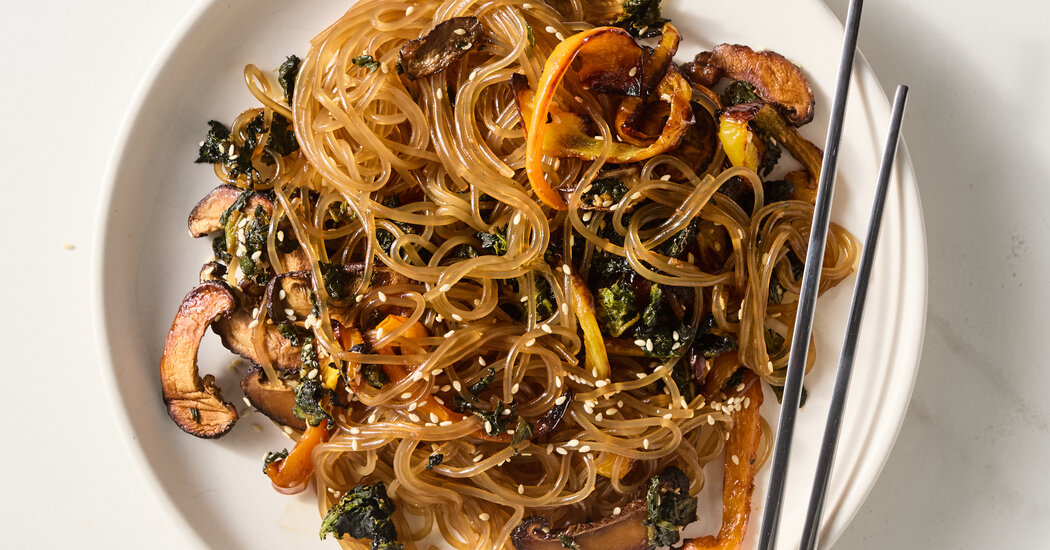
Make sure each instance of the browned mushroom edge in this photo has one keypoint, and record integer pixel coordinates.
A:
(212, 271)
(205, 216)
(296, 296)
(776, 79)
(195, 404)
(550, 419)
(435, 52)
(770, 121)
(275, 400)
(235, 333)
(623, 531)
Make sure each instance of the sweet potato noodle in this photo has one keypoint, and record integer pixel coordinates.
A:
(407, 178)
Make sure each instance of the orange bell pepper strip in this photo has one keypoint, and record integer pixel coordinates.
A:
(739, 478)
(291, 473)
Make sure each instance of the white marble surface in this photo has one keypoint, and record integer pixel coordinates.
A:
(967, 471)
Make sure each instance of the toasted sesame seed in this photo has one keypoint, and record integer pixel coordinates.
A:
(526, 6)
(406, 395)
(358, 298)
(413, 417)
(254, 323)
(588, 408)
(439, 400)
(675, 335)
(445, 423)
(598, 417)
(559, 36)
(446, 387)
(409, 10)
(550, 29)
(668, 416)
(434, 418)
(287, 430)
(514, 388)
(649, 344)
(585, 448)
(601, 383)
(586, 216)
(736, 460)
(353, 444)
(450, 333)
(481, 361)
(530, 343)
(594, 372)
(256, 255)
(616, 511)
(640, 343)
(711, 420)
(633, 71)
(676, 346)
(561, 451)
(640, 375)
(478, 458)
(289, 312)
(521, 489)
(382, 297)
(445, 288)
(578, 99)
(645, 443)
(457, 317)
(665, 177)
(484, 517)
(740, 387)
(379, 332)
(517, 218)
(412, 407)
(457, 385)
(417, 376)
(460, 32)
(747, 402)
(488, 426)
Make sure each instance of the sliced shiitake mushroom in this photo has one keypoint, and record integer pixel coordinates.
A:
(212, 271)
(275, 400)
(435, 52)
(776, 80)
(205, 216)
(196, 404)
(623, 531)
(297, 288)
(236, 334)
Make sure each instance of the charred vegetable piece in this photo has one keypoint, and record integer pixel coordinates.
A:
(212, 271)
(275, 400)
(624, 531)
(739, 477)
(635, 116)
(738, 141)
(290, 475)
(435, 52)
(364, 513)
(639, 17)
(566, 134)
(195, 404)
(213, 212)
(775, 79)
(546, 423)
(286, 75)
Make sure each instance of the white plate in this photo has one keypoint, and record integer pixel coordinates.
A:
(146, 263)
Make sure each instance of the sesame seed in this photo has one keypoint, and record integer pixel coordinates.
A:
(557, 382)
(546, 328)
(406, 395)
(559, 36)
(438, 318)
(559, 400)
(572, 443)
(598, 417)
(665, 177)
(675, 335)
(413, 417)
(550, 29)
(417, 376)
(409, 10)
(640, 343)
(353, 444)
(445, 288)
(483, 516)
(379, 332)
(517, 218)
(668, 416)
(457, 385)
(478, 458)
(649, 344)
(514, 388)
(633, 71)
(446, 387)
(645, 443)
(287, 430)
(457, 317)
(460, 32)
(711, 420)
(445, 423)
(586, 216)
(450, 333)
(434, 418)
(594, 372)
(481, 361)
(616, 511)
(747, 402)
(526, 6)
(530, 343)
(561, 451)
(256, 255)
(740, 387)
(585, 448)
(439, 400)
(521, 489)
(254, 323)
(382, 297)
(289, 312)
(735, 460)
(412, 407)
(601, 383)
(610, 411)
(466, 46)
(355, 430)
(676, 346)
(488, 426)
(588, 408)
(358, 298)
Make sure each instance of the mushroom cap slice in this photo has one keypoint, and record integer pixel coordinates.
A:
(441, 47)
(236, 334)
(205, 216)
(275, 400)
(196, 404)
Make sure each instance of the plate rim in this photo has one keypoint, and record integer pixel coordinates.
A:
(883, 439)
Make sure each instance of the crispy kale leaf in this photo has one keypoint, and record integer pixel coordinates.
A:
(364, 513)
(616, 309)
(545, 301)
(308, 406)
(641, 18)
(603, 191)
(739, 92)
(668, 511)
(434, 460)
(482, 383)
(366, 62)
(212, 149)
(272, 457)
(255, 232)
(568, 542)
(336, 281)
(295, 334)
(495, 242)
(522, 431)
(286, 76)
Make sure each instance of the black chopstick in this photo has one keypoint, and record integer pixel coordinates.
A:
(810, 286)
(817, 499)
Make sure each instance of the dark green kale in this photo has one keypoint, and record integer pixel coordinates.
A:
(374, 375)
(434, 460)
(608, 266)
(336, 281)
(773, 152)
(522, 432)
(739, 92)
(477, 387)
(641, 18)
(366, 62)
(282, 136)
(238, 204)
(777, 190)
(669, 510)
(662, 336)
(255, 232)
(308, 406)
(464, 251)
(603, 191)
(212, 149)
(272, 457)
(545, 301)
(652, 309)
(286, 76)
(495, 242)
(308, 356)
(218, 247)
(495, 422)
(568, 542)
(712, 345)
(676, 245)
(295, 334)
(774, 341)
(615, 307)
(779, 392)
(364, 513)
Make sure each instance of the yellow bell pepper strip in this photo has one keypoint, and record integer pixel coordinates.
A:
(738, 141)
(290, 474)
(595, 357)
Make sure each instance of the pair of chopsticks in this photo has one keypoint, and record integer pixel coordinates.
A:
(807, 303)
